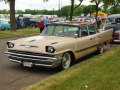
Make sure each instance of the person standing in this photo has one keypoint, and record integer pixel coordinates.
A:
(46, 21)
(98, 22)
(41, 25)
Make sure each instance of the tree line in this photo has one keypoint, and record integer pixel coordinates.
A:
(107, 4)
(65, 11)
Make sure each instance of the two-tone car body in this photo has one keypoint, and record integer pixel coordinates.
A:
(58, 45)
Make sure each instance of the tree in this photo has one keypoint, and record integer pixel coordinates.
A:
(73, 7)
(12, 14)
(45, 0)
(112, 11)
(89, 9)
(79, 11)
(114, 4)
(97, 3)
(65, 10)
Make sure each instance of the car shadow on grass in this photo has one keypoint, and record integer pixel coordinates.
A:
(34, 69)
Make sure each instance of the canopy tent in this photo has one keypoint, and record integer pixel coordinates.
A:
(100, 13)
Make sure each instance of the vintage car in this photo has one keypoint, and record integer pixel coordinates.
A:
(58, 45)
(113, 21)
(4, 25)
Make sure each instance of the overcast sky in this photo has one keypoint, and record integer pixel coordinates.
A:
(38, 4)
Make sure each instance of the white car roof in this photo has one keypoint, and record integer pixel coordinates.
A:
(114, 16)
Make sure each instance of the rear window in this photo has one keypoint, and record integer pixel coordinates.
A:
(84, 31)
(91, 30)
(113, 20)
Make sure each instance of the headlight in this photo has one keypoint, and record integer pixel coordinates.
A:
(50, 49)
(10, 45)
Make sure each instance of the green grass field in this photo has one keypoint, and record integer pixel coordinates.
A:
(99, 72)
(19, 33)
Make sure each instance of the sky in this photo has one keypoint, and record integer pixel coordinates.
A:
(38, 4)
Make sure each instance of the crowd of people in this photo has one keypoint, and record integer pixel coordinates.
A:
(42, 23)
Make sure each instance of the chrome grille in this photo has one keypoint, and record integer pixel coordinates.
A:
(25, 55)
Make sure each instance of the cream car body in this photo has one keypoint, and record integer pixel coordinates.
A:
(58, 45)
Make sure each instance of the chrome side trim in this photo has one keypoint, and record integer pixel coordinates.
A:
(15, 61)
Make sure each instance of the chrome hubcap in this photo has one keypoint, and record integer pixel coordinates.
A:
(102, 48)
(66, 60)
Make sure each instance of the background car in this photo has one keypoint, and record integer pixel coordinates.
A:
(113, 21)
(4, 25)
(28, 22)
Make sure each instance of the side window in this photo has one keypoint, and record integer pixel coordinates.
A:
(71, 30)
(49, 30)
(58, 30)
(84, 31)
(91, 30)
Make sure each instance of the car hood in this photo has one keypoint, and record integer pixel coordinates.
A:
(38, 43)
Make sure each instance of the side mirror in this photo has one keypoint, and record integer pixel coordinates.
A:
(76, 35)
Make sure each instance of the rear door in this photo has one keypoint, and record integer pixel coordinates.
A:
(86, 43)
(96, 37)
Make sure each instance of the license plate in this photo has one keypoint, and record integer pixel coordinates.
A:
(27, 64)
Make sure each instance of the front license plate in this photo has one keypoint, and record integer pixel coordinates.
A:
(27, 64)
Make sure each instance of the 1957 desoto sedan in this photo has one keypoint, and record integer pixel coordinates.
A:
(58, 45)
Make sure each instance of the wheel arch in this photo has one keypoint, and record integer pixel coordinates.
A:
(72, 55)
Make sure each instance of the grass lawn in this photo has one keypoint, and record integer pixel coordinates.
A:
(18, 33)
(99, 72)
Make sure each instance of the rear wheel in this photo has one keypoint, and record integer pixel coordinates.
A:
(101, 48)
(66, 60)
(3, 29)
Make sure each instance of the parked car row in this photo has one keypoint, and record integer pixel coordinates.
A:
(28, 22)
(24, 22)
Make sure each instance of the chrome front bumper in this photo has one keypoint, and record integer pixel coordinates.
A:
(34, 59)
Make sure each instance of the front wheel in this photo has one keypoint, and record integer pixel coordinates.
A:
(66, 60)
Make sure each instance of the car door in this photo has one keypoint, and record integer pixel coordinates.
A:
(94, 35)
(85, 44)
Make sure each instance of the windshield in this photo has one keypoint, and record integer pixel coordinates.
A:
(113, 20)
(60, 30)
(110, 21)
